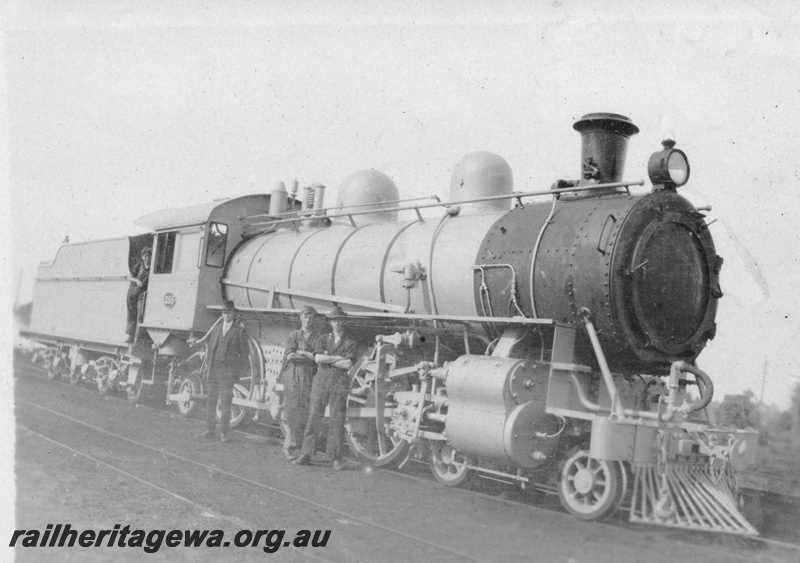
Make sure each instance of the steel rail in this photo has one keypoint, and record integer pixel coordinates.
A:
(427, 480)
(416, 478)
(129, 475)
(35, 372)
(159, 407)
(230, 475)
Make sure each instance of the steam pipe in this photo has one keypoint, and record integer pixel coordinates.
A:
(536, 251)
(675, 375)
(594, 407)
(586, 314)
(706, 393)
(435, 417)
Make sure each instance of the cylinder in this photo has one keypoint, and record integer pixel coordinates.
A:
(604, 144)
(495, 409)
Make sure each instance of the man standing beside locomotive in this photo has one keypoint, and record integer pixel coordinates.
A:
(228, 359)
(298, 376)
(335, 354)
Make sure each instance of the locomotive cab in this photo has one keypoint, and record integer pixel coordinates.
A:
(192, 246)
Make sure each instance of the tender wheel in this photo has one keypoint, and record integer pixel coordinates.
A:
(192, 386)
(56, 365)
(134, 391)
(103, 385)
(450, 467)
(75, 376)
(239, 415)
(588, 488)
(52, 373)
(106, 369)
(371, 439)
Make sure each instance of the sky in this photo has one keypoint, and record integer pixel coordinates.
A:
(116, 109)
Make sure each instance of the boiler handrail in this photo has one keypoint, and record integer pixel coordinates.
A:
(320, 213)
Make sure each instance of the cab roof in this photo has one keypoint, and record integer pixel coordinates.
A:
(179, 216)
(191, 215)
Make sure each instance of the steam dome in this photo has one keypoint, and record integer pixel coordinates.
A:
(482, 174)
(369, 189)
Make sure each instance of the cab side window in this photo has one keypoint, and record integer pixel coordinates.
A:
(215, 249)
(165, 252)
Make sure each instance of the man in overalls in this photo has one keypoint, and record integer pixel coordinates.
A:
(335, 354)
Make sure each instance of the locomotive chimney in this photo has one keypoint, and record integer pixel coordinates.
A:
(604, 143)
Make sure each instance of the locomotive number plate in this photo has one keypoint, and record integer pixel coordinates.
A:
(169, 300)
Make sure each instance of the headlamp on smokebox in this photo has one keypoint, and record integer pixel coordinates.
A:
(668, 168)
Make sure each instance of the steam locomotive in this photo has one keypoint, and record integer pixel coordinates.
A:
(505, 337)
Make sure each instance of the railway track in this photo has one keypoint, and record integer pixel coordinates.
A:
(214, 470)
(257, 431)
(68, 425)
(416, 471)
(264, 434)
(262, 430)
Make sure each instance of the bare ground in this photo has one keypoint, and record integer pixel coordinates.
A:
(372, 515)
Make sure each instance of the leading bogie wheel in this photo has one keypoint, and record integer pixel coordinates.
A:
(192, 386)
(589, 488)
(450, 467)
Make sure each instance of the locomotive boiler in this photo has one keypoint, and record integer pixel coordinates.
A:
(542, 343)
(644, 265)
